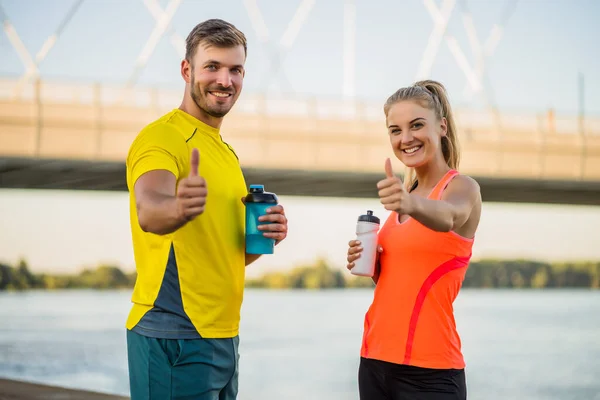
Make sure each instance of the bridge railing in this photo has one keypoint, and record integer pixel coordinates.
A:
(61, 120)
(302, 106)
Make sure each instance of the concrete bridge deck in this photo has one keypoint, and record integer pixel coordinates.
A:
(76, 137)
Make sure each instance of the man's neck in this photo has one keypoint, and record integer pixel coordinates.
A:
(198, 113)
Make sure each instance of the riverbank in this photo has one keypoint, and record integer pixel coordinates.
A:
(21, 390)
(487, 273)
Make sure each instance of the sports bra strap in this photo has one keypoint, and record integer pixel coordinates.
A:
(437, 191)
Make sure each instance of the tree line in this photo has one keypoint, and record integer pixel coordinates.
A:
(320, 275)
(480, 274)
(20, 277)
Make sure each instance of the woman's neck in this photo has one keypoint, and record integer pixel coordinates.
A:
(429, 175)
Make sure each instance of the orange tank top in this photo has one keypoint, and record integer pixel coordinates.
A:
(411, 319)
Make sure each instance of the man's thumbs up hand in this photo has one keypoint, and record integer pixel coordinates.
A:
(192, 191)
(194, 162)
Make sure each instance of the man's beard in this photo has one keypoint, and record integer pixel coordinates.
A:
(202, 102)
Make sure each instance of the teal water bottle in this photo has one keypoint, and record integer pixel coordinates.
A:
(257, 201)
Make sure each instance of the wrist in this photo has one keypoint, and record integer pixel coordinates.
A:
(413, 205)
(177, 214)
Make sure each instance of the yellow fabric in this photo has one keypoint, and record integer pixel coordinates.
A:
(209, 250)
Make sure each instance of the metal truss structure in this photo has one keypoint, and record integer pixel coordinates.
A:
(475, 72)
(31, 64)
(478, 81)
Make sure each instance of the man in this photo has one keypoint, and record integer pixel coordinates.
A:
(187, 220)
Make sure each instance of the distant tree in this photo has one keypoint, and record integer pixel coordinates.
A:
(5, 274)
(103, 277)
(27, 279)
(277, 280)
(359, 282)
(540, 279)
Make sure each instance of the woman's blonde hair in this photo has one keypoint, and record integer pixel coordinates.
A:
(432, 95)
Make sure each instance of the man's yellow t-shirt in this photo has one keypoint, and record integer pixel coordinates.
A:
(193, 278)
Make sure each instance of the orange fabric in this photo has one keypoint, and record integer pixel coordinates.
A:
(411, 319)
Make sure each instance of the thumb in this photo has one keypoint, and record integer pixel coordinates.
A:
(194, 162)
(388, 168)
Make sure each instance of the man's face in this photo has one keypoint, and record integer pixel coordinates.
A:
(216, 78)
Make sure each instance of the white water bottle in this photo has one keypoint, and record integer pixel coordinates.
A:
(366, 231)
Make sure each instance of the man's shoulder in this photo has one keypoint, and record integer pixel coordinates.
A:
(162, 132)
(160, 128)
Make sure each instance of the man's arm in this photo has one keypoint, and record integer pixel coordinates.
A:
(163, 208)
(250, 258)
(156, 202)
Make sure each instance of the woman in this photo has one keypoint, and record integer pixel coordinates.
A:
(411, 349)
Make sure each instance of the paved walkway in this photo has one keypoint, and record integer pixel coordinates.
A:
(18, 390)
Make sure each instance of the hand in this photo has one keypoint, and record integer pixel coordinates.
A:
(278, 225)
(354, 251)
(392, 193)
(191, 192)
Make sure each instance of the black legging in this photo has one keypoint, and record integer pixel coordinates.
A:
(380, 380)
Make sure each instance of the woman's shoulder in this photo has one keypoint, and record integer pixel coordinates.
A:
(464, 184)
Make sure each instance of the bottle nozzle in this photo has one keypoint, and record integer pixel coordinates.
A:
(368, 217)
(257, 188)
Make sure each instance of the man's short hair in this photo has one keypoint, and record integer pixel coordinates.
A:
(213, 32)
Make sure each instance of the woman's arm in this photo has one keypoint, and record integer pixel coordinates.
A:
(453, 210)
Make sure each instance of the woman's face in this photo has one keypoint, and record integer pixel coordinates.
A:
(415, 133)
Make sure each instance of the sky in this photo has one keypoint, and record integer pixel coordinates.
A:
(545, 46)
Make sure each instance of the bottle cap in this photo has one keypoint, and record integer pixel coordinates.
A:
(257, 194)
(368, 217)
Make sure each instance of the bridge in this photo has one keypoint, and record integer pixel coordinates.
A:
(75, 137)
(60, 135)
